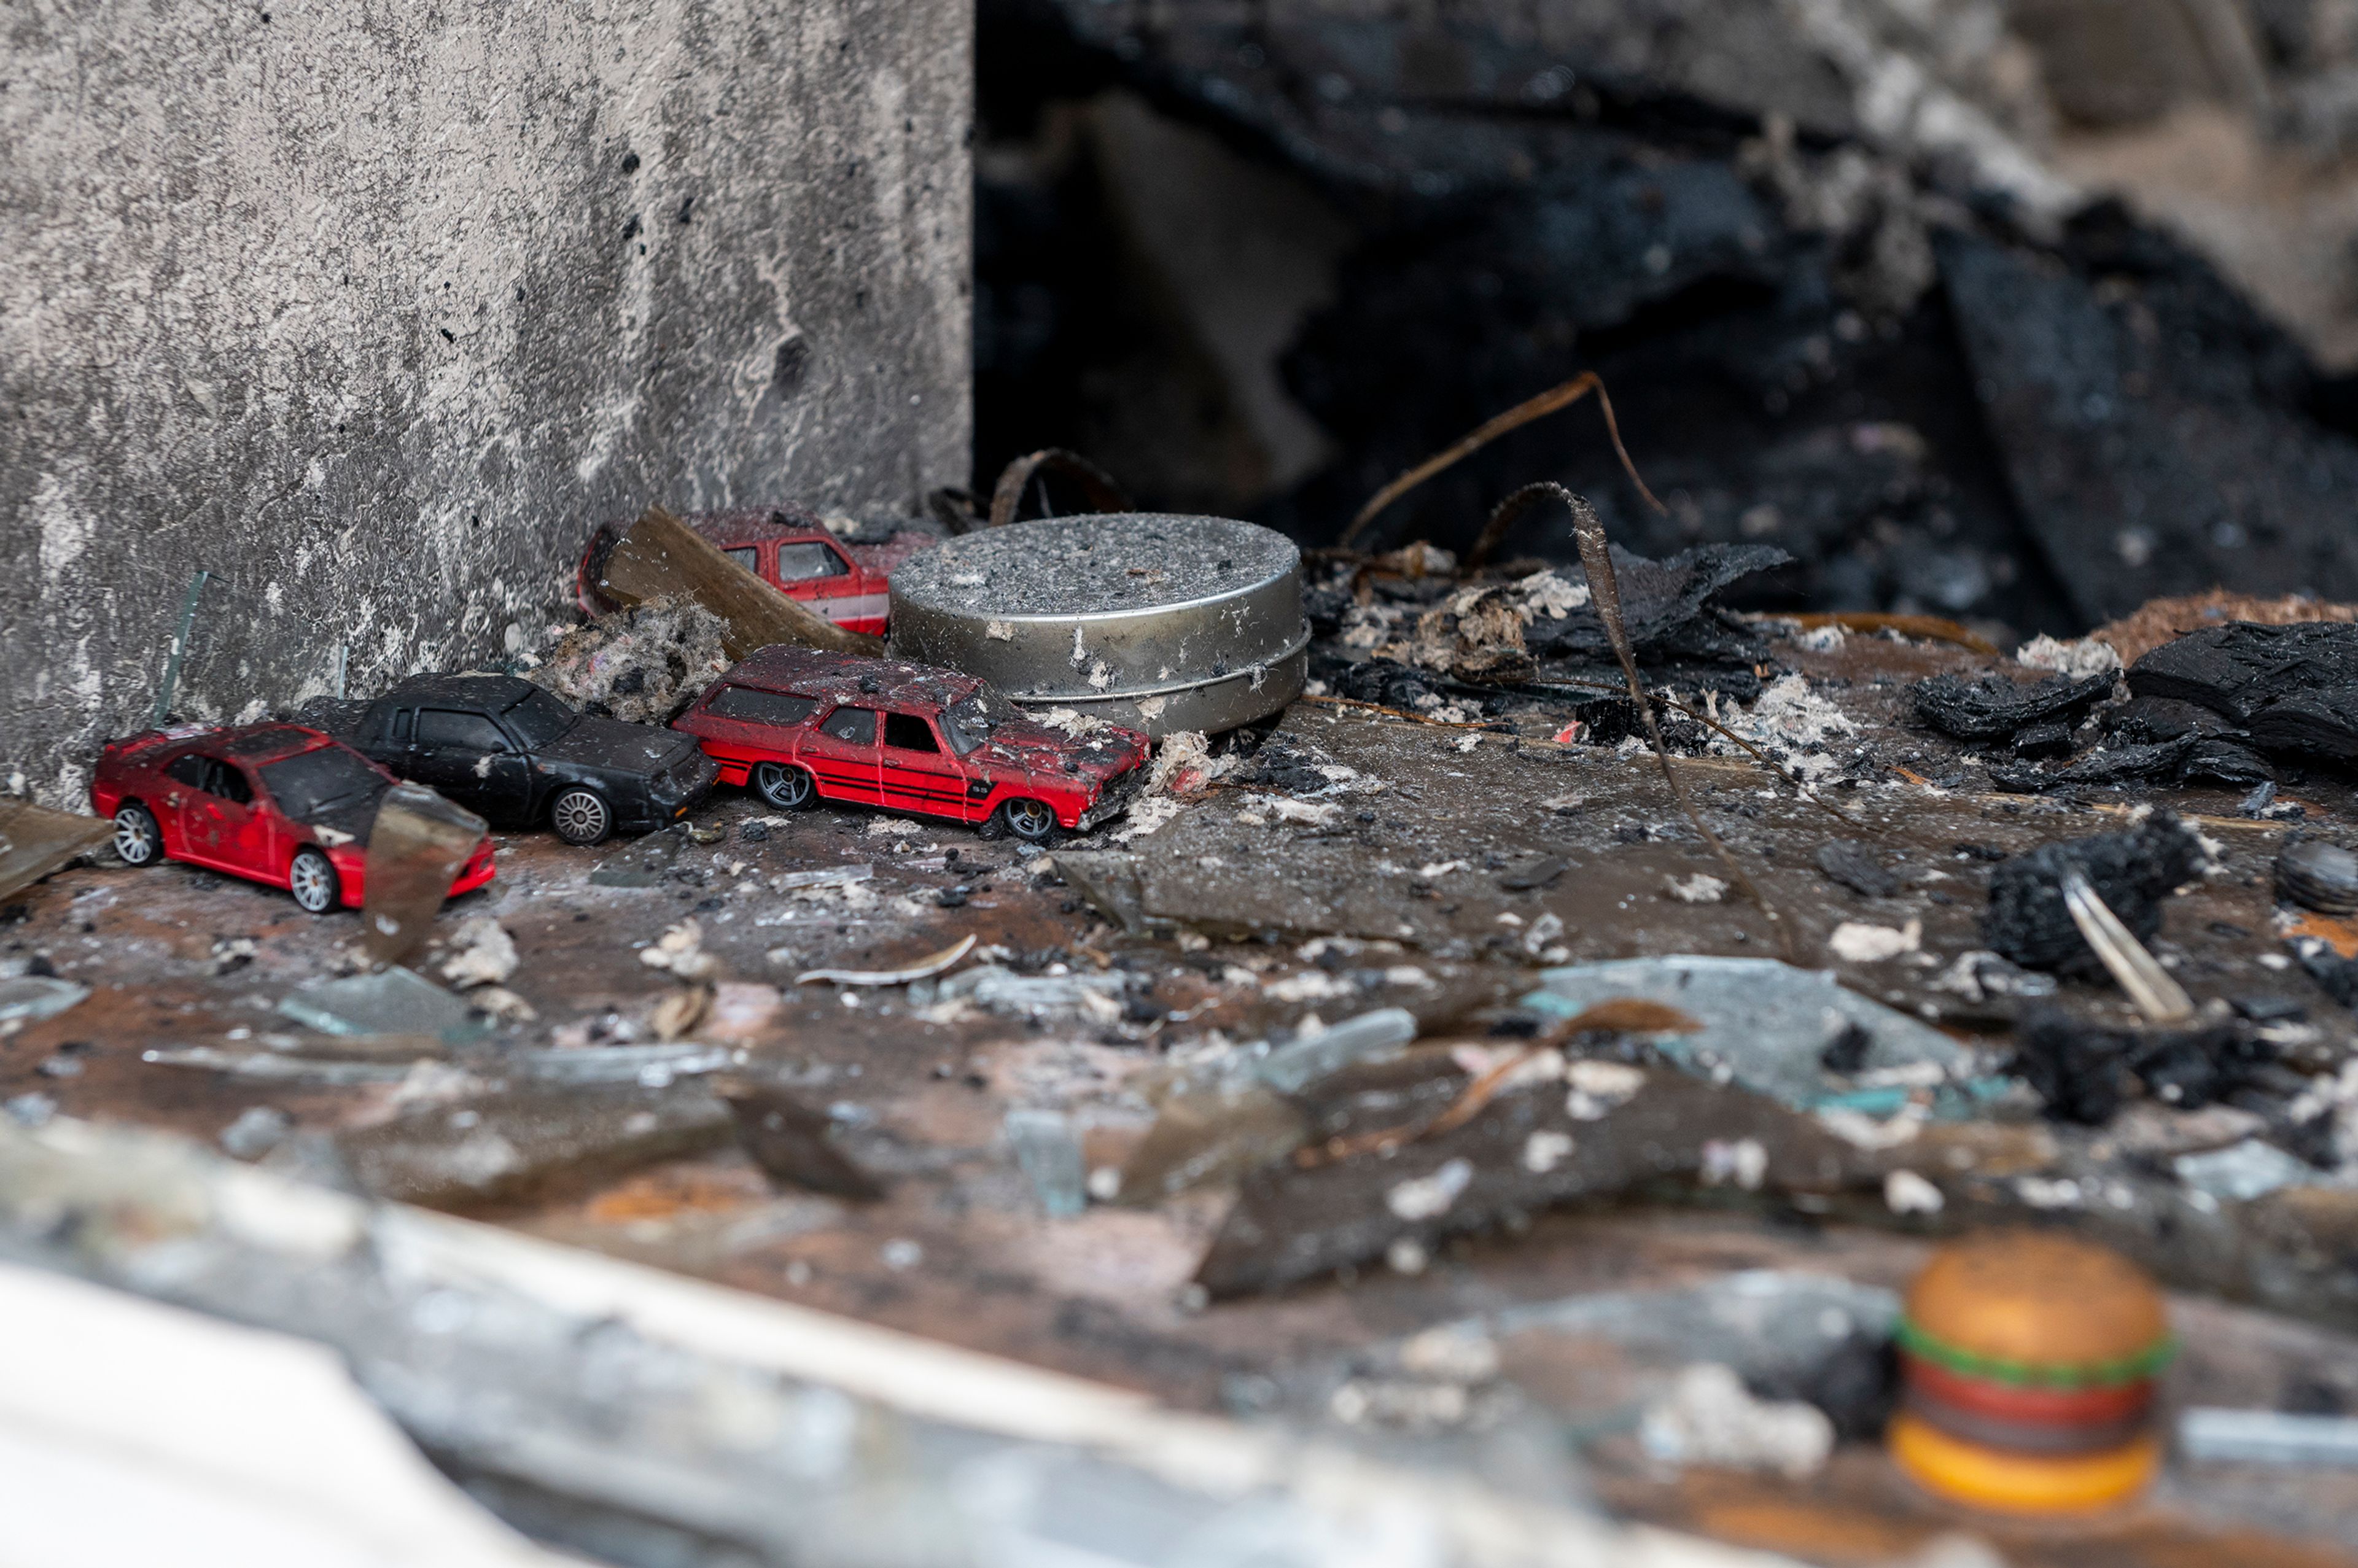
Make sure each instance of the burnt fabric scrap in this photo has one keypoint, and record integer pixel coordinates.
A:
(1994, 708)
(2294, 690)
(2085, 1073)
(2132, 872)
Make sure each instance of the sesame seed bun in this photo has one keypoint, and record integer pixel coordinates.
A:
(2036, 1308)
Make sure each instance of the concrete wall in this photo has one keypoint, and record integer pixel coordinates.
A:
(372, 308)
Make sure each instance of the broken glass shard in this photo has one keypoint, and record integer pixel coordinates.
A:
(416, 848)
(34, 996)
(1096, 997)
(1371, 1036)
(643, 864)
(1050, 1154)
(35, 841)
(825, 877)
(526, 1143)
(2242, 1172)
(391, 1001)
(1768, 1025)
(284, 1067)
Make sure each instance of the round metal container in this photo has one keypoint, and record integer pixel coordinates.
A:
(1160, 623)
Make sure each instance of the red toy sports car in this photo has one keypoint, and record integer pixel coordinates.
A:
(801, 726)
(790, 550)
(272, 803)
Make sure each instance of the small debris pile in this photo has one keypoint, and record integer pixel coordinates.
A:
(640, 664)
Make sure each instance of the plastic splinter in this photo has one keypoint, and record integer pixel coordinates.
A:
(415, 852)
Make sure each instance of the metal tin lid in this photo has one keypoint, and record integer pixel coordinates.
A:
(1159, 622)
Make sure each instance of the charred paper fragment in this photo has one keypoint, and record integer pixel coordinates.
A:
(391, 1001)
(415, 849)
(793, 1142)
(35, 841)
(529, 1142)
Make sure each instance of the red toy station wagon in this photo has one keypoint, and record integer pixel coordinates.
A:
(802, 725)
(791, 551)
(272, 803)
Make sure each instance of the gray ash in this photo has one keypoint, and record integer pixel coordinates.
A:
(1117, 561)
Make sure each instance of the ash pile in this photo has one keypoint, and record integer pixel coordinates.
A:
(1932, 301)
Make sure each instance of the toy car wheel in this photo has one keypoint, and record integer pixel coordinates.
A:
(786, 788)
(580, 817)
(1029, 819)
(137, 838)
(313, 882)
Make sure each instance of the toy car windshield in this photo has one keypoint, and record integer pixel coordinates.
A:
(968, 723)
(540, 718)
(313, 781)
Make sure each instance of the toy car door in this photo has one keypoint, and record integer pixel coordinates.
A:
(740, 726)
(469, 759)
(802, 568)
(841, 755)
(919, 774)
(225, 827)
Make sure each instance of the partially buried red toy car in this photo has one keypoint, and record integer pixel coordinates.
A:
(272, 803)
(787, 548)
(802, 725)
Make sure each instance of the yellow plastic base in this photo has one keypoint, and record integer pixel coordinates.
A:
(2021, 1483)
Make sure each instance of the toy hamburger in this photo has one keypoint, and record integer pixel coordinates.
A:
(2027, 1363)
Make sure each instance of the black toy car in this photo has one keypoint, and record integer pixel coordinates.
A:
(503, 747)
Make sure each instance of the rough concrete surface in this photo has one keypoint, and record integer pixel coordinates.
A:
(373, 310)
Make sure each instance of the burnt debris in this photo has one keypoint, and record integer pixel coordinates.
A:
(2293, 689)
(2028, 922)
(1992, 707)
(2085, 1072)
